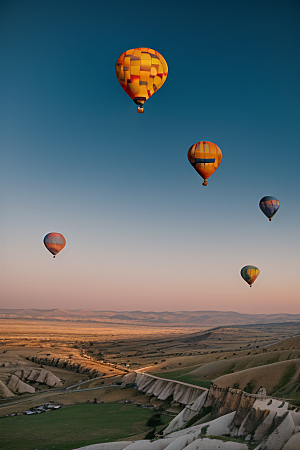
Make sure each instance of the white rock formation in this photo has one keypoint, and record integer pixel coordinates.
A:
(107, 446)
(23, 374)
(33, 375)
(281, 435)
(186, 414)
(128, 378)
(181, 442)
(214, 444)
(220, 426)
(42, 376)
(46, 377)
(161, 444)
(273, 404)
(148, 445)
(275, 407)
(19, 387)
(4, 391)
(293, 443)
(183, 393)
(262, 413)
(216, 427)
(263, 428)
(296, 418)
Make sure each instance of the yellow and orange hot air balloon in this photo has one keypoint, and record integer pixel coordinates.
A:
(141, 72)
(54, 242)
(205, 157)
(249, 274)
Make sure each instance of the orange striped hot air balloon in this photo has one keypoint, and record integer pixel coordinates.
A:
(141, 72)
(54, 242)
(205, 157)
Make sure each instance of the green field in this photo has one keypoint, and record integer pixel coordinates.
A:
(74, 426)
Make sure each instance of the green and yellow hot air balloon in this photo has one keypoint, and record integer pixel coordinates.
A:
(249, 274)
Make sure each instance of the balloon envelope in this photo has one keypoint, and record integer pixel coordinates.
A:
(249, 274)
(54, 242)
(205, 157)
(141, 72)
(269, 206)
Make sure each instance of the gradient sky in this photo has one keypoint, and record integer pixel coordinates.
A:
(142, 232)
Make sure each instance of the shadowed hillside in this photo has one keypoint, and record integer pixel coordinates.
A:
(275, 366)
(280, 380)
(218, 368)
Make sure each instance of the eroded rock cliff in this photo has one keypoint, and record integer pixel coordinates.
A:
(67, 365)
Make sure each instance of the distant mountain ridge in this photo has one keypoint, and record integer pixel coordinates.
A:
(163, 318)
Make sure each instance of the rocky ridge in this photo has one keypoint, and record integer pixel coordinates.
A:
(67, 365)
(163, 389)
(264, 422)
(42, 376)
(18, 381)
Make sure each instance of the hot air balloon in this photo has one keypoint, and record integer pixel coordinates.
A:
(54, 242)
(269, 206)
(141, 72)
(205, 157)
(249, 274)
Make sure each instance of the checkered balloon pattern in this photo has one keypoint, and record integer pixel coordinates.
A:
(141, 72)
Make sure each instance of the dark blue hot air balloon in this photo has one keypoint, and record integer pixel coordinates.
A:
(269, 206)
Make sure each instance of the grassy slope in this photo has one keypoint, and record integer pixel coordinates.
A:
(285, 385)
(280, 379)
(230, 365)
(184, 376)
(74, 427)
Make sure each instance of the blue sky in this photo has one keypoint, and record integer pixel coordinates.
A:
(142, 232)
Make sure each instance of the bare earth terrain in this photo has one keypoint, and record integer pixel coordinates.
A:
(67, 358)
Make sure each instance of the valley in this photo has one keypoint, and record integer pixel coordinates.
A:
(45, 361)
